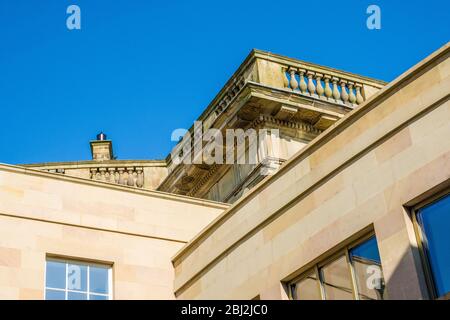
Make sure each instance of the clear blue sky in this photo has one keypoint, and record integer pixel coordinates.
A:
(139, 69)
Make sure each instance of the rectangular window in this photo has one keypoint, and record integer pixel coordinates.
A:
(307, 288)
(75, 280)
(336, 280)
(352, 273)
(433, 224)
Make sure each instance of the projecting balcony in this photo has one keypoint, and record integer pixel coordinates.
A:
(269, 87)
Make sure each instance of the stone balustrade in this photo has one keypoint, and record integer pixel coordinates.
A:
(280, 74)
(323, 86)
(146, 174)
(129, 176)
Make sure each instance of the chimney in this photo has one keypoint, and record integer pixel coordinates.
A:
(101, 149)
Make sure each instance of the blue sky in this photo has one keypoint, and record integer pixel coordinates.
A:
(140, 69)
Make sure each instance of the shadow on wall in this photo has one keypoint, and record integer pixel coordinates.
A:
(407, 281)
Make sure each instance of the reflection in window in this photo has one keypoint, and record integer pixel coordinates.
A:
(366, 263)
(434, 222)
(68, 280)
(307, 288)
(356, 268)
(337, 280)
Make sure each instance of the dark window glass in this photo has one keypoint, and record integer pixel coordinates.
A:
(434, 220)
(366, 263)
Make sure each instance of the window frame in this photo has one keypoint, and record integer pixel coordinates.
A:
(81, 262)
(325, 260)
(426, 266)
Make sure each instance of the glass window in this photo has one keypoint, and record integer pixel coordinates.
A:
(366, 264)
(71, 280)
(356, 268)
(307, 288)
(98, 277)
(337, 280)
(434, 222)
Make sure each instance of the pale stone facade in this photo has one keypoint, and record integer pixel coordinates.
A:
(136, 231)
(354, 156)
(361, 175)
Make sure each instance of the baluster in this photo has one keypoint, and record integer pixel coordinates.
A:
(319, 87)
(93, 173)
(140, 178)
(130, 180)
(311, 86)
(351, 97)
(293, 82)
(111, 172)
(359, 97)
(344, 93)
(227, 99)
(303, 85)
(328, 92)
(285, 78)
(336, 93)
(102, 174)
(121, 175)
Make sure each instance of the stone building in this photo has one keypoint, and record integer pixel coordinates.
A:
(347, 197)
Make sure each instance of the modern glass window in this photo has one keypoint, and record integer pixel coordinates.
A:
(434, 228)
(307, 288)
(366, 264)
(75, 280)
(337, 281)
(352, 273)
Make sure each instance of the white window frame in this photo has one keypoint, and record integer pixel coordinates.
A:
(88, 264)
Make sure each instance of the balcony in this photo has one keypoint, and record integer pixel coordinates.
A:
(269, 90)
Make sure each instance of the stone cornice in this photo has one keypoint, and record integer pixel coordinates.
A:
(299, 125)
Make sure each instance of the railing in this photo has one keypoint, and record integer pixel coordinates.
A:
(131, 176)
(133, 173)
(275, 71)
(323, 86)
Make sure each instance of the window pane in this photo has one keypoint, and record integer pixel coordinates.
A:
(307, 288)
(76, 296)
(337, 281)
(55, 274)
(97, 297)
(98, 280)
(54, 295)
(368, 272)
(434, 221)
(77, 277)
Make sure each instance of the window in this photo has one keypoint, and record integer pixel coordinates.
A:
(353, 273)
(433, 224)
(307, 288)
(73, 280)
